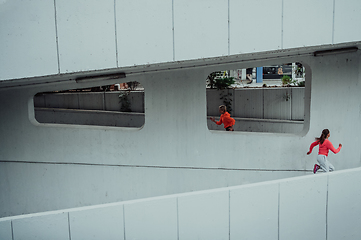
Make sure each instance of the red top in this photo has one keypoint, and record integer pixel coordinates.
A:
(226, 120)
(324, 147)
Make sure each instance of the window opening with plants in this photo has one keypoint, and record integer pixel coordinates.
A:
(117, 105)
(273, 102)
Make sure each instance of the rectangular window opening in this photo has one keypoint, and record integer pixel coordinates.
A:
(259, 99)
(117, 105)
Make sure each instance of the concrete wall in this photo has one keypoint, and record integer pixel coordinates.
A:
(89, 117)
(261, 103)
(262, 125)
(73, 36)
(106, 101)
(49, 167)
(323, 206)
(48, 45)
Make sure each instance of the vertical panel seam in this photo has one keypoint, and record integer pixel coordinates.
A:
(116, 34)
(229, 214)
(173, 30)
(327, 209)
(282, 25)
(77, 97)
(279, 206)
(333, 21)
(104, 101)
(229, 28)
(124, 223)
(177, 209)
(69, 226)
(12, 230)
(291, 92)
(263, 103)
(56, 36)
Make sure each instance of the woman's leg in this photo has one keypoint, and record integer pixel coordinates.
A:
(324, 163)
(332, 168)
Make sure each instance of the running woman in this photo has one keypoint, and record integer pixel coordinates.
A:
(324, 146)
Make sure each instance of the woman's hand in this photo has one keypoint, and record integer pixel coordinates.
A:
(308, 153)
(340, 145)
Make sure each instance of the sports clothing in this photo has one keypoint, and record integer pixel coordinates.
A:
(324, 147)
(226, 120)
(323, 153)
(324, 163)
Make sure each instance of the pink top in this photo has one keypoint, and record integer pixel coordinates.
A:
(324, 147)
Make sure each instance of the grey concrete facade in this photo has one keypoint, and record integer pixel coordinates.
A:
(169, 47)
(228, 213)
(49, 167)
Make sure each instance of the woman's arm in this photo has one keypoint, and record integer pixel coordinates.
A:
(330, 146)
(314, 144)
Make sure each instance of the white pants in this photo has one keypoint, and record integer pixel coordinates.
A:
(325, 164)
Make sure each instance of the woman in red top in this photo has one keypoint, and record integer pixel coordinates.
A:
(324, 146)
(225, 118)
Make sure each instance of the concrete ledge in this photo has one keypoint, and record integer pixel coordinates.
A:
(235, 212)
(89, 117)
(137, 120)
(261, 125)
(5, 229)
(277, 103)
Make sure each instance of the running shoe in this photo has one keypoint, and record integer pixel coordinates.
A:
(315, 168)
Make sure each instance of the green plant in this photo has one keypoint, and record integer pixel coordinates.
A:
(221, 81)
(124, 101)
(227, 100)
(286, 80)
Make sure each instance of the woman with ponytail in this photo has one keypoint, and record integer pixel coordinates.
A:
(324, 146)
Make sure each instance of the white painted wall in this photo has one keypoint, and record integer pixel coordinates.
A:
(59, 167)
(55, 37)
(85, 35)
(144, 32)
(322, 206)
(55, 167)
(28, 39)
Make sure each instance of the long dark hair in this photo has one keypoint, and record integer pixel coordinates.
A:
(323, 136)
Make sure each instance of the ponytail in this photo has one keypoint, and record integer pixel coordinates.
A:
(323, 136)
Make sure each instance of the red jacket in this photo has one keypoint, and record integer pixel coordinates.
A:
(324, 147)
(226, 120)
